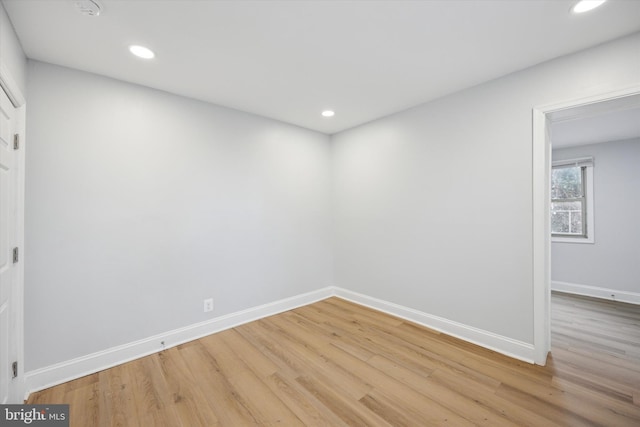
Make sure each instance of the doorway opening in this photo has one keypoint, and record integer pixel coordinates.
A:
(544, 120)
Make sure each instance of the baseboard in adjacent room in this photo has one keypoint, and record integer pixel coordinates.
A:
(596, 292)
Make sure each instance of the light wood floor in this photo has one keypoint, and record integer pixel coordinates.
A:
(334, 363)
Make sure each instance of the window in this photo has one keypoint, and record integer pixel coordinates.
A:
(572, 201)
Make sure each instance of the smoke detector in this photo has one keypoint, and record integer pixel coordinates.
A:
(89, 7)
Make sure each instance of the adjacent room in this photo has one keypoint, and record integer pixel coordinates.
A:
(595, 247)
(226, 213)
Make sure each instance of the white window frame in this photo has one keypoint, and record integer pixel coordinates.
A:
(587, 163)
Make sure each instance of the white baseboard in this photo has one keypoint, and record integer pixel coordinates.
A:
(59, 373)
(507, 346)
(596, 292)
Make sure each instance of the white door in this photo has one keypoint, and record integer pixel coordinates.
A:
(8, 239)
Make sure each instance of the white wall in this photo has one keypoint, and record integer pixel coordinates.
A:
(433, 206)
(613, 261)
(11, 54)
(140, 204)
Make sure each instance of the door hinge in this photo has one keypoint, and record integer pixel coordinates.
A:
(14, 369)
(16, 255)
(16, 141)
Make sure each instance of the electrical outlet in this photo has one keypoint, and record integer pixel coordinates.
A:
(208, 305)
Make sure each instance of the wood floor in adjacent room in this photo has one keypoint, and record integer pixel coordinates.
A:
(334, 363)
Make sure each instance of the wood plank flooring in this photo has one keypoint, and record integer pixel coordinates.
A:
(334, 363)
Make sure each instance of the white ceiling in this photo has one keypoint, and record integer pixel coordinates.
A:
(608, 121)
(289, 60)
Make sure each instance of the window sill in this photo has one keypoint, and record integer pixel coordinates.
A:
(572, 240)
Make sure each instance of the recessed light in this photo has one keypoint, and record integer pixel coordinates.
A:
(586, 5)
(141, 51)
(328, 113)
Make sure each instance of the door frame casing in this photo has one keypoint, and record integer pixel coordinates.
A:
(541, 168)
(10, 87)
